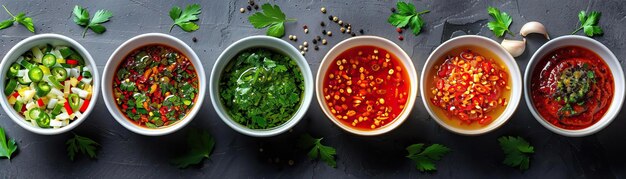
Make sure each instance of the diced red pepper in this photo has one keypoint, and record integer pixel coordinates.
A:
(72, 62)
(80, 77)
(83, 108)
(40, 102)
(68, 108)
(16, 94)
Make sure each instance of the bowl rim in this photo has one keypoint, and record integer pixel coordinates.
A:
(17, 118)
(402, 56)
(514, 99)
(109, 71)
(618, 100)
(281, 46)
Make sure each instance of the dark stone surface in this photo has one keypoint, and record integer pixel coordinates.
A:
(128, 155)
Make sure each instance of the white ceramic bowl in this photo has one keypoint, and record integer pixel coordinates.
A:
(276, 45)
(606, 55)
(26, 45)
(367, 41)
(137, 42)
(435, 58)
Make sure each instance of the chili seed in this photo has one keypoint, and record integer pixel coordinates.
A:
(335, 18)
(302, 52)
(329, 33)
(324, 41)
(343, 30)
(340, 22)
(242, 10)
(306, 44)
(300, 47)
(348, 31)
(306, 31)
(323, 9)
(306, 49)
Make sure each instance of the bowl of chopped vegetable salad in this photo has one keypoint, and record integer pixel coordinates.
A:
(50, 84)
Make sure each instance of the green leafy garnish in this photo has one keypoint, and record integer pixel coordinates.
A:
(589, 23)
(501, 23)
(183, 18)
(271, 17)
(261, 88)
(516, 151)
(407, 15)
(200, 145)
(425, 158)
(81, 17)
(20, 18)
(83, 145)
(6, 147)
(317, 150)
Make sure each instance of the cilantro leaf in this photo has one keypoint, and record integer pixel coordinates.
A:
(318, 150)
(271, 17)
(19, 18)
(183, 18)
(516, 150)
(81, 17)
(407, 15)
(6, 147)
(425, 158)
(589, 23)
(501, 23)
(200, 143)
(81, 144)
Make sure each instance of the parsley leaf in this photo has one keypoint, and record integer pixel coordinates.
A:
(516, 150)
(271, 16)
(589, 23)
(183, 18)
(200, 145)
(501, 23)
(81, 17)
(317, 150)
(6, 147)
(81, 144)
(19, 18)
(425, 158)
(407, 15)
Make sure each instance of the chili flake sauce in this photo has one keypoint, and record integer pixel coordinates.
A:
(155, 86)
(468, 88)
(366, 87)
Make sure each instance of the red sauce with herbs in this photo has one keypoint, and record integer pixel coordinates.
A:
(572, 87)
(155, 86)
(366, 87)
(471, 89)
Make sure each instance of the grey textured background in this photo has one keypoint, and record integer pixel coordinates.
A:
(128, 155)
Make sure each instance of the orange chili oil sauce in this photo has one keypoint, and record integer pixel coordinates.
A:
(468, 88)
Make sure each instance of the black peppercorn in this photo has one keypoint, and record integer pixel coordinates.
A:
(256, 7)
(249, 8)
(251, 2)
(322, 24)
(393, 9)
(316, 48)
(330, 18)
(318, 38)
(314, 41)
(324, 32)
(194, 39)
(361, 31)
(353, 34)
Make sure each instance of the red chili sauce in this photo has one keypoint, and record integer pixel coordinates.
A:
(572, 87)
(366, 87)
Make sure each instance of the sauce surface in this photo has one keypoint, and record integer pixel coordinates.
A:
(366, 87)
(469, 88)
(155, 86)
(572, 87)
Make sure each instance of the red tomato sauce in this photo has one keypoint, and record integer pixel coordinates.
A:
(366, 87)
(469, 87)
(572, 87)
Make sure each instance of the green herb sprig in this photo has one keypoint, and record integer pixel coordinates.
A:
(271, 17)
(20, 18)
(501, 23)
(7, 146)
(589, 23)
(81, 17)
(516, 151)
(318, 150)
(407, 15)
(81, 144)
(200, 144)
(425, 158)
(184, 18)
